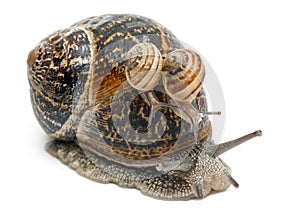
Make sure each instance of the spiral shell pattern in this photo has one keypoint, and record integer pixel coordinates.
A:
(144, 66)
(183, 74)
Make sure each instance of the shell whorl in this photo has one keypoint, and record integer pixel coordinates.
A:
(144, 66)
(183, 74)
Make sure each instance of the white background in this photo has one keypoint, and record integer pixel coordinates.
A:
(254, 48)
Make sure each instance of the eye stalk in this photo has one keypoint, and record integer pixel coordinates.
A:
(224, 147)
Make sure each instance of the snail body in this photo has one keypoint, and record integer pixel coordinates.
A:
(92, 88)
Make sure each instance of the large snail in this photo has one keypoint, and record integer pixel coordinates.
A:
(124, 103)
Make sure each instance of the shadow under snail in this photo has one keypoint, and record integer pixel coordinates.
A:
(123, 101)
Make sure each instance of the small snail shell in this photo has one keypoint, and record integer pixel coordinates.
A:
(144, 66)
(183, 75)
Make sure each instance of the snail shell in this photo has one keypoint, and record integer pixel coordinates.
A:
(144, 66)
(183, 75)
(80, 94)
(79, 87)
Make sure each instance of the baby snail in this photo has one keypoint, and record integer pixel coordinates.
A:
(143, 72)
(97, 86)
(182, 79)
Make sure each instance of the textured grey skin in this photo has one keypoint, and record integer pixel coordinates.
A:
(195, 177)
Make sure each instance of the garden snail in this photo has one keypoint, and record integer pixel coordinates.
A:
(92, 96)
(143, 72)
(182, 79)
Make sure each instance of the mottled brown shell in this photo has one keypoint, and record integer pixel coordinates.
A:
(97, 101)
